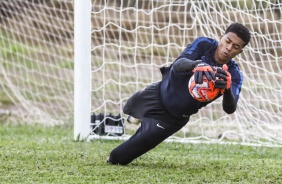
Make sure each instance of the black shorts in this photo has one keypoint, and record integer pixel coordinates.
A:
(147, 103)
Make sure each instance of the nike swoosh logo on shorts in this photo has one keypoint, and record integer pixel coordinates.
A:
(158, 125)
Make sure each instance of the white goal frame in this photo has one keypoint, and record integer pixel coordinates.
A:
(82, 69)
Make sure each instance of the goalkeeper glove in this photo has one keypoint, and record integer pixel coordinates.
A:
(223, 80)
(201, 69)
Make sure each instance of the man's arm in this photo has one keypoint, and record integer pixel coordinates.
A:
(230, 88)
(185, 65)
(229, 103)
(199, 68)
(191, 55)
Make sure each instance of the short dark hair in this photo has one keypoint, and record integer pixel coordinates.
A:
(241, 31)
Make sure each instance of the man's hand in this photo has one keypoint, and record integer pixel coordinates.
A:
(223, 80)
(203, 69)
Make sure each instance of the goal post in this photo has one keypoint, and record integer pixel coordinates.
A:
(63, 61)
(82, 69)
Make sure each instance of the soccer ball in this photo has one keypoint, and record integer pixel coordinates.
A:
(204, 92)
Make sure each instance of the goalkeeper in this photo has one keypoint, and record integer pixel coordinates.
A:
(164, 107)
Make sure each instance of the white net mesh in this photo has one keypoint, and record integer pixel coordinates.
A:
(130, 41)
(36, 47)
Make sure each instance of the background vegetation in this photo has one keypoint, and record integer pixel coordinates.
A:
(60, 30)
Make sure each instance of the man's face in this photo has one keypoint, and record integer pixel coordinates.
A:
(229, 46)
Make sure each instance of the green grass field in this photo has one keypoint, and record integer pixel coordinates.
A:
(35, 154)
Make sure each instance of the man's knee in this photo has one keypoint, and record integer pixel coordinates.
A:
(133, 109)
(127, 107)
(116, 158)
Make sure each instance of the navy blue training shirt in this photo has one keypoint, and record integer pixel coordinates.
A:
(174, 86)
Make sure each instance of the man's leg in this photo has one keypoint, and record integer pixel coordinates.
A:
(151, 133)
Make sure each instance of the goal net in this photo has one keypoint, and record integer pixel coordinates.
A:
(130, 41)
